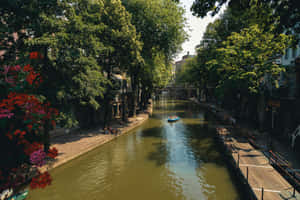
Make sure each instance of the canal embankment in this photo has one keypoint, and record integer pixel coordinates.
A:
(77, 143)
(250, 164)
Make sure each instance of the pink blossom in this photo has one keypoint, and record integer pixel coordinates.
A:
(9, 80)
(17, 68)
(9, 115)
(6, 69)
(14, 68)
(41, 112)
(38, 157)
(5, 113)
(29, 107)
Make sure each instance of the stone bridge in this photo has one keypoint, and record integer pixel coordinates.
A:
(179, 92)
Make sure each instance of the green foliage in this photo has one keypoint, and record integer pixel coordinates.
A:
(285, 13)
(161, 72)
(238, 50)
(83, 41)
(160, 25)
(21, 19)
(67, 120)
(246, 57)
(72, 44)
(189, 72)
(200, 8)
(83, 45)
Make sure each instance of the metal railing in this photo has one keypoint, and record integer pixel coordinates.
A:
(274, 159)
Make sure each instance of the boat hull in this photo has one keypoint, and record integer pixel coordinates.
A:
(173, 120)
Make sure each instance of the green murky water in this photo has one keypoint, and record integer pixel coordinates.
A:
(157, 161)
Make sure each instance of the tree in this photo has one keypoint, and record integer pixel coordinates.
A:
(73, 77)
(160, 25)
(189, 72)
(246, 58)
(82, 47)
(232, 20)
(286, 12)
(122, 38)
(19, 20)
(200, 8)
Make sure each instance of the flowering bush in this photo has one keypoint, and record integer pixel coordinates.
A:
(52, 153)
(41, 181)
(23, 116)
(38, 158)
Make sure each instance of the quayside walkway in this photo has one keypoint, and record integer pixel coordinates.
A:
(264, 181)
(257, 171)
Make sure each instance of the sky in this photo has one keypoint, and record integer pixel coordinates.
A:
(195, 28)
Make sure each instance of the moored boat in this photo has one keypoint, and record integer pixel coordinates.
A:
(20, 196)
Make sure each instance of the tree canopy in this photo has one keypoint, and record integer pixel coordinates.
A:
(84, 41)
(286, 12)
(160, 25)
(248, 56)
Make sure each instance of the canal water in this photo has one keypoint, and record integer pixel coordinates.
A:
(156, 161)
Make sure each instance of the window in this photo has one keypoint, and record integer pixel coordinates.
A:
(286, 54)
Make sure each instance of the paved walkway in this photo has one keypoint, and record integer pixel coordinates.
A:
(73, 145)
(260, 173)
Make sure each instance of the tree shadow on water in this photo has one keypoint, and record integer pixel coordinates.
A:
(161, 154)
(155, 132)
(200, 140)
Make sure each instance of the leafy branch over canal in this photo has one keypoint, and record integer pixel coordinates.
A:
(98, 59)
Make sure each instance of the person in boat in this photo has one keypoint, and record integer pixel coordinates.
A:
(173, 117)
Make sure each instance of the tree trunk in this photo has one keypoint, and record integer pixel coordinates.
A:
(144, 97)
(124, 102)
(107, 100)
(46, 136)
(142, 89)
(138, 99)
(134, 95)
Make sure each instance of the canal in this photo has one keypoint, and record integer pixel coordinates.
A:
(156, 161)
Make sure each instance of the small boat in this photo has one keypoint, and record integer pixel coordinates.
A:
(20, 196)
(173, 119)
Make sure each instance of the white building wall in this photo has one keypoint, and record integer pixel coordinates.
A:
(288, 60)
(290, 55)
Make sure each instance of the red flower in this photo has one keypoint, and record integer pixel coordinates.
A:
(41, 181)
(29, 127)
(53, 123)
(31, 77)
(27, 112)
(34, 55)
(27, 68)
(10, 137)
(52, 153)
(30, 148)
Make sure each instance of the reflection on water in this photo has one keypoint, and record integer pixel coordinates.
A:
(158, 160)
